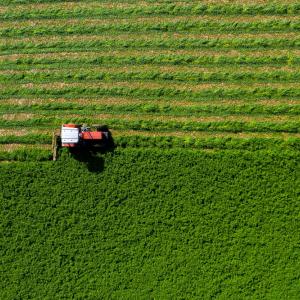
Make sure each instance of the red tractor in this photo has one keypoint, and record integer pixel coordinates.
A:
(80, 136)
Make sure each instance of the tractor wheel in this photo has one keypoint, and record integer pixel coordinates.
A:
(103, 128)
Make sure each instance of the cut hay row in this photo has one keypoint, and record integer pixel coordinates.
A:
(159, 109)
(147, 20)
(17, 68)
(163, 26)
(32, 135)
(23, 146)
(131, 100)
(147, 37)
(20, 132)
(160, 9)
(148, 85)
(192, 77)
(160, 61)
(7, 6)
(42, 4)
(126, 116)
(245, 54)
(43, 136)
(162, 43)
(165, 93)
(207, 135)
(160, 123)
(29, 5)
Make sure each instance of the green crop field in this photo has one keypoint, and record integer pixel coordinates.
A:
(199, 198)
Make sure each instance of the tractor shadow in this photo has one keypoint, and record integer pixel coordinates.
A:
(91, 156)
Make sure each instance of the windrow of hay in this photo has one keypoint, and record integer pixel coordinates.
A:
(12, 147)
(151, 36)
(123, 4)
(131, 100)
(63, 55)
(152, 85)
(203, 134)
(194, 134)
(162, 118)
(142, 20)
(74, 69)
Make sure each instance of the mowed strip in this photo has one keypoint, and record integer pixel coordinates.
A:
(156, 123)
(159, 62)
(130, 53)
(152, 108)
(205, 135)
(16, 132)
(184, 87)
(8, 5)
(53, 68)
(193, 76)
(132, 100)
(151, 36)
(177, 92)
(13, 147)
(160, 9)
(144, 20)
(162, 41)
(163, 60)
(27, 5)
(6, 133)
(152, 117)
(188, 26)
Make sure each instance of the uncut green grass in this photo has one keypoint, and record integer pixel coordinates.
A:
(110, 228)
